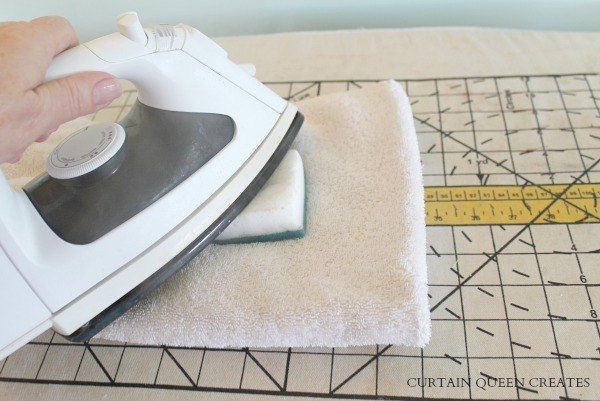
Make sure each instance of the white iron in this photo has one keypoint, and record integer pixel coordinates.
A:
(123, 206)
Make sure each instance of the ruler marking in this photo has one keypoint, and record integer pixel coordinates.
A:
(485, 292)
(471, 149)
(452, 313)
(510, 204)
(519, 307)
(489, 333)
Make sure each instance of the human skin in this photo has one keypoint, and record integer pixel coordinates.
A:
(31, 109)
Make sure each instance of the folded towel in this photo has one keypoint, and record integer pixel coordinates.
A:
(358, 277)
(277, 212)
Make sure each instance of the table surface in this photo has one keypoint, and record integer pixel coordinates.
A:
(512, 304)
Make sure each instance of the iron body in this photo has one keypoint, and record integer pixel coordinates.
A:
(124, 206)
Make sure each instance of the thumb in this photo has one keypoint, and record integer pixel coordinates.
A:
(76, 95)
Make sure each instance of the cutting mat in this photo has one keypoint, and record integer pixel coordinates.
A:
(514, 298)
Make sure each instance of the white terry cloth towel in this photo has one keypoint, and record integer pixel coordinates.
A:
(358, 277)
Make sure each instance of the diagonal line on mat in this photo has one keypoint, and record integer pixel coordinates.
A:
(265, 371)
(78, 365)
(179, 366)
(528, 181)
(357, 371)
(287, 369)
(525, 227)
(93, 354)
(302, 90)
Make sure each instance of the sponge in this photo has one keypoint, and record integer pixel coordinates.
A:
(277, 212)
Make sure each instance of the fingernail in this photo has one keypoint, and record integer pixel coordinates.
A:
(106, 91)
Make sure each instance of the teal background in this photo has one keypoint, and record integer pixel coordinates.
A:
(238, 17)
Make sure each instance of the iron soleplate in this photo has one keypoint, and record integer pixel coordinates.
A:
(124, 303)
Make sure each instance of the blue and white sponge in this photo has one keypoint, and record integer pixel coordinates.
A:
(277, 212)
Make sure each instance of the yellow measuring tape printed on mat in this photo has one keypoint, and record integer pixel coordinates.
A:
(511, 204)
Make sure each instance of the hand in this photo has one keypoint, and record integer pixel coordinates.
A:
(31, 110)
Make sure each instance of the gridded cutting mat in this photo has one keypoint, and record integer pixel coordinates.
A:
(514, 304)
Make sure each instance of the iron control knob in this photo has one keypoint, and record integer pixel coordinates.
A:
(87, 150)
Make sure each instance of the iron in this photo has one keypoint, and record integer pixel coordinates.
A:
(123, 206)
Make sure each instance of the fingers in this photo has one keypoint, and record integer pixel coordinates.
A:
(56, 32)
(29, 110)
(29, 47)
(65, 99)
